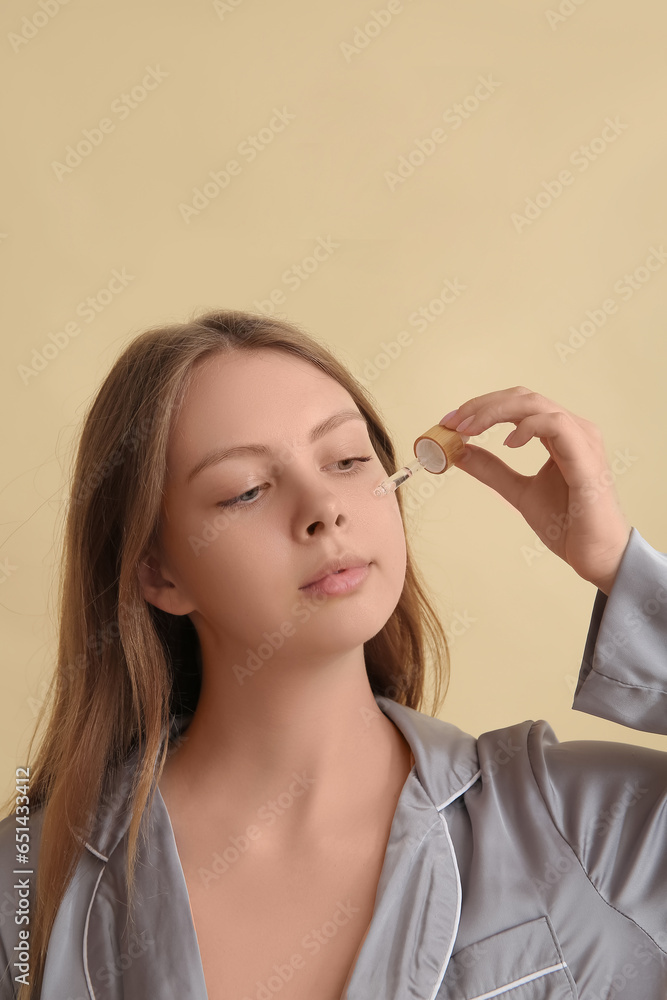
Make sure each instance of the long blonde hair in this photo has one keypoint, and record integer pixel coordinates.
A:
(122, 664)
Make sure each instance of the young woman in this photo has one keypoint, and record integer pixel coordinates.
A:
(237, 794)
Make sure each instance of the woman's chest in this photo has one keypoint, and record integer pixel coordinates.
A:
(292, 926)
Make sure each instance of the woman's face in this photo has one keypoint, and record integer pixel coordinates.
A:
(240, 537)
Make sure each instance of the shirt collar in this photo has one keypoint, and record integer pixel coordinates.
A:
(446, 764)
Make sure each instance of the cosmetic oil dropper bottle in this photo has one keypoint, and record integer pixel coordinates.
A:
(436, 450)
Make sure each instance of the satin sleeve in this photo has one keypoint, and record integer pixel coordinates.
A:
(623, 674)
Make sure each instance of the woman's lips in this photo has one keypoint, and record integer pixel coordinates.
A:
(339, 583)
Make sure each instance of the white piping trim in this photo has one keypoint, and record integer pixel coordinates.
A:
(97, 854)
(520, 982)
(461, 790)
(457, 921)
(85, 937)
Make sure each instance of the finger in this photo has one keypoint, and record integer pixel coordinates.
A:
(572, 449)
(476, 403)
(506, 405)
(488, 402)
(491, 470)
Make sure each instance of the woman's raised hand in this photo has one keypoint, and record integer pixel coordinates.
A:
(570, 502)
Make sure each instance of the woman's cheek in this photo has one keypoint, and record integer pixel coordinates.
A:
(207, 533)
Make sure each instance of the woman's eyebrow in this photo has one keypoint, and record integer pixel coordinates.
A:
(217, 455)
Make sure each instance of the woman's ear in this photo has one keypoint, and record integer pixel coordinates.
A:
(157, 588)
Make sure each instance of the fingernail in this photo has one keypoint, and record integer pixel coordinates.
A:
(465, 423)
(448, 416)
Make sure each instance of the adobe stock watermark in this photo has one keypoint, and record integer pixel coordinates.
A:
(212, 528)
(616, 981)
(137, 947)
(6, 569)
(419, 489)
(581, 157)
(421, 318)
(302, 610)
(458, 625)
(33, 24)
(600, 826)
(454, 116)
(633, 621)
(295, 276)
(503, 754)
(505, 749)
(312, 943)
(268, 813)
(249, 148)
(414, 494)
(122, 106)
(564, 11)
(625, 287)
(131, 439)
(88, 309)
(96, 642)
(466, 958)
(619, 465)
(223, 7)
(363, 34)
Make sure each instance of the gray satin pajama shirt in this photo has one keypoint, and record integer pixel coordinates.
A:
(517, 866)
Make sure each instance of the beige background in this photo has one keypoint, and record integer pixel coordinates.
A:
(220, 71)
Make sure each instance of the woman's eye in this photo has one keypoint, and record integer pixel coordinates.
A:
(355, 468)
(240, 500)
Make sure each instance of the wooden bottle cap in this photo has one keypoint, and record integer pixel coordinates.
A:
(440, 449)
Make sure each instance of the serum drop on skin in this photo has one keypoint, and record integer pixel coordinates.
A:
(436, 450)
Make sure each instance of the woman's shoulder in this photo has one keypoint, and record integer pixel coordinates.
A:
(529, 754)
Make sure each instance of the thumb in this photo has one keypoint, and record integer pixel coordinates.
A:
(491, 470)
